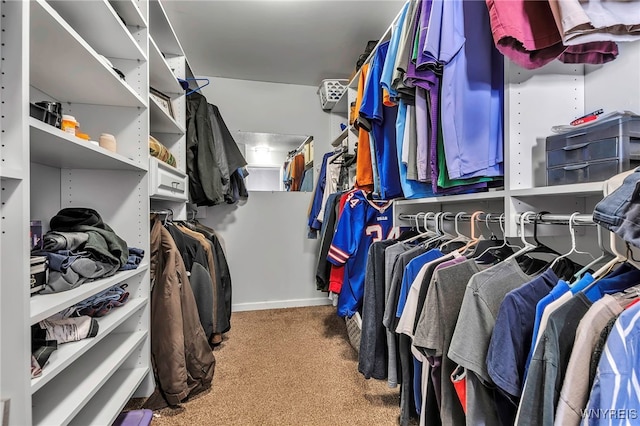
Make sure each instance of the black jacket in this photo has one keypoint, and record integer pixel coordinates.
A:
(205, 177)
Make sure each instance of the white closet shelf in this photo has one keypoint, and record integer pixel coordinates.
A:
(342, 136)
(11, 173)
(63, 65)
(450, 199)
(67, 353)
(64, 397)
(130, 12)
(161, 77)
(579, 189)
(53, 147)
(162, 31)
(342, 106)
(107, 403)
(161, 122)
(92, 20)
(45, 305)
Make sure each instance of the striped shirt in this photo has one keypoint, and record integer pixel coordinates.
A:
(615, 395)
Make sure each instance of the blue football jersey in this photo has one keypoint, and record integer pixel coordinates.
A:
(362, 222)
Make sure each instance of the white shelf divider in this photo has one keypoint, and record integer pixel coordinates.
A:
(45, 305)
(450, 199)
(63, 65)
(53, 147)
(105, 405)
(92, 20)
(578, 189)
(161, 122)
(342, 106)
(130, 12)
(67, 353)
(11, 173)
(71, 392)
(161, 77)
(162, 31)
(342, 136)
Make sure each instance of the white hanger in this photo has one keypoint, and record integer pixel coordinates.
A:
(527, 246)
(619, 258)
(603, 255)
(427, 233)
(573, 249)
(459, 236)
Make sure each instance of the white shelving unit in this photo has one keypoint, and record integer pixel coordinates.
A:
(168, 185)
(52, 52)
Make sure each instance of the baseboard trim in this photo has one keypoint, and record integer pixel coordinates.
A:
(279, 304)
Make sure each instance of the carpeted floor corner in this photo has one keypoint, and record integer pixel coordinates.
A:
(290, 366)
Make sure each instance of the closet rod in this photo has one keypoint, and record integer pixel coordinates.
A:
(301, 146)
(161, 212)
(559, 219)
(483, 217)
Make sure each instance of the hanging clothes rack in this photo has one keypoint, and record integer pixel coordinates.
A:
(452, 217)
(557, 219)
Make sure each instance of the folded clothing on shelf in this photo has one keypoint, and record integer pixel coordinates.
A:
(65, 330)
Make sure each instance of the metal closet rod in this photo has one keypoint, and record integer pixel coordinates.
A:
(165, 212)
(558, 219)
(466, 217)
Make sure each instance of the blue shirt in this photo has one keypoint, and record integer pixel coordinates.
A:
(410, 188)
(383, 127)
(387, 70)
(411, 272)
(362, 222)
(314, 223)
(622, 278)
(614, 394)
(561, 288)
(511, 338)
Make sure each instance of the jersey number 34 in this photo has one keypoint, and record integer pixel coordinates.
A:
(376, 232)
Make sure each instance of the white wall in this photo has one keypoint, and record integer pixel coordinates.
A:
(271, 260)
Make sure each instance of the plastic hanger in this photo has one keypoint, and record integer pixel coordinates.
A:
(474, 240)
(526, 246)
(206, 80)
(573, 249)
(607, 267)
(427, 232)
(440, 234)
(460, 237)
(485, 244)
(603, 256)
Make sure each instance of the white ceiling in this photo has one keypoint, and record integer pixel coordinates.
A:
(285, 41)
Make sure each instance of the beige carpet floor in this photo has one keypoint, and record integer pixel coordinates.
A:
(287, 367)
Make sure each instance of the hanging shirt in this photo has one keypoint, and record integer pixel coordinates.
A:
(362, 222)
(410, 188)
(364, 169)
(380, 120)
(386, 75)
(615, 388)
(318, 197)
(472, 91)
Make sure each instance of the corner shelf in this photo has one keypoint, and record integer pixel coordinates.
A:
(342, 136)
(161, 122)
(92, 20)
(53, 147)
(63, 65)
(45, 305)
(342, 106)
(161, 76)
(130, 12)
(67, 353)
(71, 392)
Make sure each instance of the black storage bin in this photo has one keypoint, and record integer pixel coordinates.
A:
(594, 153)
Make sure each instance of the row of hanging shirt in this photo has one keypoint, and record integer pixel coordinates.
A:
(462, 323)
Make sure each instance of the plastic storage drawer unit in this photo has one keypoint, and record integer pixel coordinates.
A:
(594, 153)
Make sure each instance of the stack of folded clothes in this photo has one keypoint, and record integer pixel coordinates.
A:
(80, 247)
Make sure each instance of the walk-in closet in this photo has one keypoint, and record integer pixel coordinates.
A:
(386, 212)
